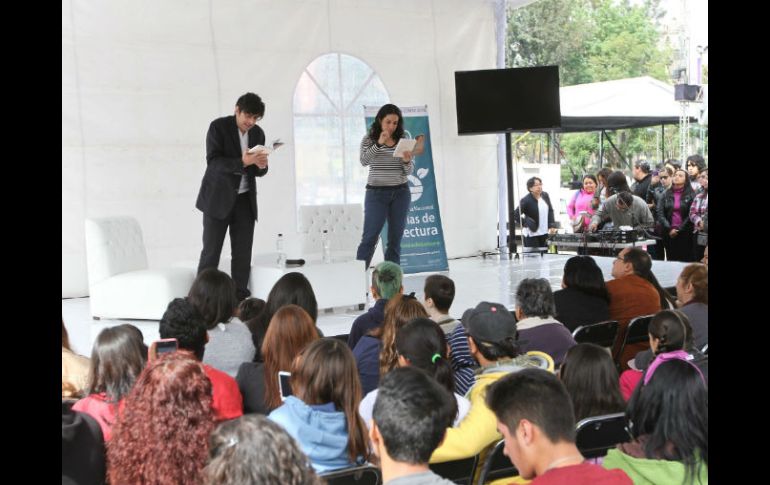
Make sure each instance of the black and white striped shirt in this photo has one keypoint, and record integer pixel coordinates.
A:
(385, 170)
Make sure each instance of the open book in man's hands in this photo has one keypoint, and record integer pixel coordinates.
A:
(274, 145)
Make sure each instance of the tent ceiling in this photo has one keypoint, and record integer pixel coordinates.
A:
(623, 103)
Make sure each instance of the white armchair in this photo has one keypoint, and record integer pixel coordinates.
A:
(344, 223)
(120, 284)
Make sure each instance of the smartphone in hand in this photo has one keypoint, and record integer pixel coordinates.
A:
(284, 385)
(162, 346)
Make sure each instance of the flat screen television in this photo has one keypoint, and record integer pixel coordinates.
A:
(504, 100)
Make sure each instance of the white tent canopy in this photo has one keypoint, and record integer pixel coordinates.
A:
(142, 80)
(624, 103)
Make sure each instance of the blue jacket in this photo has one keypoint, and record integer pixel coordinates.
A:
(367, 354)
(369, 320)
(320, 431)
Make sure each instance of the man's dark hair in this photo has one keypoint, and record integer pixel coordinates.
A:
(183, 322)
(252, 104)
(616, 182)
(412, 412)
(642, 263)
(537, 396)
(626, 199)
(642, 165)
(442, 290)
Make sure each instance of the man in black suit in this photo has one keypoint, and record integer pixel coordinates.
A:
(228, 193)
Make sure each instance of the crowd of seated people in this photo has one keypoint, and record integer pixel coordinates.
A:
(367, 405)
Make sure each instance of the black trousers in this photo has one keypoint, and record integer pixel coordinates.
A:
(241, 224)
(679, 248)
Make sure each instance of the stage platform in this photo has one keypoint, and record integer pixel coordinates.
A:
(493, 278)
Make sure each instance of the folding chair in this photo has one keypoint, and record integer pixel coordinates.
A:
(458, 471)
(602, 333)
(497, 465)
(635, 333)
(357, 475)
(596, 435)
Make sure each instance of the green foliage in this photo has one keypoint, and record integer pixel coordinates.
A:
(591, 41)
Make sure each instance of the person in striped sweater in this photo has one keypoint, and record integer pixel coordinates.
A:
(387, 190)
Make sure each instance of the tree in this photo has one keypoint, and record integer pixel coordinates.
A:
(591, 41)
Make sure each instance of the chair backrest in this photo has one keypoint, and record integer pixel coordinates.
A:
(357, 475)
(113, 246)
(497, 465)
(597, 434)
(544, 360)
(636, 332)
(602, 333)
(458, 471)
(344, 223)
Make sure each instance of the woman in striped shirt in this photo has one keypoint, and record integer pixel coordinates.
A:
(387, 190)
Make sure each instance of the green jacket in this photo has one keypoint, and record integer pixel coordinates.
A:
(651, 472)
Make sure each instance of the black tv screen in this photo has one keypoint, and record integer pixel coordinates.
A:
(504, 100)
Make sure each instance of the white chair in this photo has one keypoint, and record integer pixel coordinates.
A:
(120, 284)
(344, 223)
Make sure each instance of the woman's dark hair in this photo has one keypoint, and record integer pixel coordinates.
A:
(325, 372)
(250, 308)
(642, 263)
(398, 311)
(213, 295)
(531, 182)
(291, 289)
(117, 359)
(583, 274)
(422, 342)
(671, 413)
(376, 128)
(590, 176)
(673, 330)
(591, 378)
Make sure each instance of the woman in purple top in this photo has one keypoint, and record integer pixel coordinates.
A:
(673, 214)
(581, 202)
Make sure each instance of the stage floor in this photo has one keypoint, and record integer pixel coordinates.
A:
(493, 278)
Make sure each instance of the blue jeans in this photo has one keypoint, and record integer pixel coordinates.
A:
(381, 204)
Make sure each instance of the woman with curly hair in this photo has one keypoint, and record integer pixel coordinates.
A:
(376, 352)
(162, 431)
(253, 450)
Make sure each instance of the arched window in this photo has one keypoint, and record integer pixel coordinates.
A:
(328, 127)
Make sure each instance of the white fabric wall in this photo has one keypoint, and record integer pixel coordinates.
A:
(142, 80)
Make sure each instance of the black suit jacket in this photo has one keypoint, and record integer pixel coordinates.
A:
(531, 213)
(219, 187)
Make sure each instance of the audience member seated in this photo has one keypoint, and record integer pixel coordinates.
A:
(291, 330)
(250, 308)
(410, 416)
(591, 379)
(533, 413)
(255, 450)
(583, 298)
(183, 322)
(692, 291)
(386, 283)
(375, 353)
(492, 341)
(634, 292)
(439, 294)
(117, 360)
(322, 415)
(82, 449)
(229, 339)
(290, 289)
(74, 369)
(463, 363)
(669, 331)
(538, 330)
(668, 422)
(162, 433)
(421, 343)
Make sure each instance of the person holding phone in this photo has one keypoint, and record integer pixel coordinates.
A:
(387, 191)
(322, 415)
(117, 360)
(228, 193)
